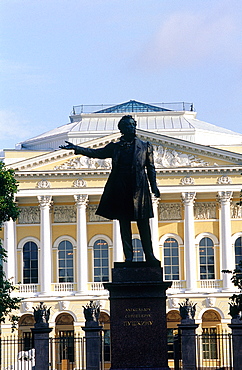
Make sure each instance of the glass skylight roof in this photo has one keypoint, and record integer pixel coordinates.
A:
(131, 107)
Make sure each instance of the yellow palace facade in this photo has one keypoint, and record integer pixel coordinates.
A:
(61, 252)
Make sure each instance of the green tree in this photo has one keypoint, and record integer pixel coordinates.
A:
(235, 304)
(8, 210)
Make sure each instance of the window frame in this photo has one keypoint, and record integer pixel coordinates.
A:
(216, 251)
(55, 275)
(91, 249)
(180, 246)
(20, 248)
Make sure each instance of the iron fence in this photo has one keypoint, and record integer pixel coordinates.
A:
(65, 353)
(213, 351)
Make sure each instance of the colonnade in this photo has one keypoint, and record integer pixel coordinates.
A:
(81, 201)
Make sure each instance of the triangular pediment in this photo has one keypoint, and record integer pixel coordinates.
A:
(168, 153)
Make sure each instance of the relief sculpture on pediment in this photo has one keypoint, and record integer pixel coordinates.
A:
(85, 162)
(164, 157)
(170, 211)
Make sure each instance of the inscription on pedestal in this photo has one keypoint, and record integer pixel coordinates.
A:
(138, 317)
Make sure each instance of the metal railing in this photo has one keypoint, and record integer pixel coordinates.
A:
(213, 351)
(67, 352)
(176, 106)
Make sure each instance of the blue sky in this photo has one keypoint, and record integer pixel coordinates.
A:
(58, 53)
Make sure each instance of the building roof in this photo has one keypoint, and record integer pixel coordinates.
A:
(153, 118)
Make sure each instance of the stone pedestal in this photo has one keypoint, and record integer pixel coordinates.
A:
(188, 343)
(138, 316)
(93, 346)
(236, 327)
(41, 345)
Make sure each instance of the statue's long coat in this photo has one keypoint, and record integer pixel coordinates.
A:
(142, 163)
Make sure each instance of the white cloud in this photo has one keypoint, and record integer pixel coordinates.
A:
(193, 37)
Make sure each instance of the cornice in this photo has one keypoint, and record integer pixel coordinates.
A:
(166, 189)
(93, 172)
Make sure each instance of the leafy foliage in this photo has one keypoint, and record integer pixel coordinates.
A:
(235, 309)
(7, 303)
(8, 187)
(8, 210)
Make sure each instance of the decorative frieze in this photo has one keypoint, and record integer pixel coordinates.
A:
(169, 211)
(164, 158)
(92, 217)
(65, 214)
(205, 210)
(235, 210)
(29, 215)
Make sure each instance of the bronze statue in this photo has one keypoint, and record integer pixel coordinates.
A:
(126, 195)
(92, 311)
(41, 315)
(187, 310)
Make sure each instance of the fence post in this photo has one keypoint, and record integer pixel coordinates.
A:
(176, 348)
(236, 327)
(188, 335)
(40, 333)
(92, 335)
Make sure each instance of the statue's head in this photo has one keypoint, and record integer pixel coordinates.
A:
(127, 125)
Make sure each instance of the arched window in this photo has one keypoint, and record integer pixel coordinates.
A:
(206, 256)
(30, 263)
(65, 262)
(171, 259)
(238, 251)
(138, 254)
(101, 260)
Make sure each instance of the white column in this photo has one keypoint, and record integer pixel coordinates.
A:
(82, 260)
(45, 245)
(154, 227)
(227, 257)
(9, 246)
(118, 255)
(189, 241)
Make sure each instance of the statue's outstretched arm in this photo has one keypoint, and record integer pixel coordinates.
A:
(105, 152)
